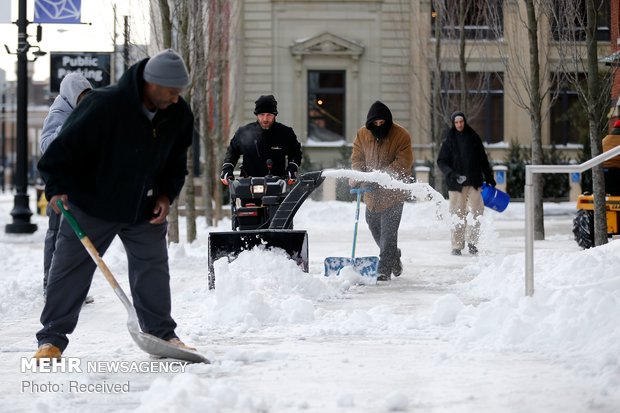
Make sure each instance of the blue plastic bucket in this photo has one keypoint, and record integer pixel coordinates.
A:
(494, 198)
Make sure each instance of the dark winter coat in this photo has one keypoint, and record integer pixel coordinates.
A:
(111, 160)
(257, 145)
(388, 151)
(462, 153)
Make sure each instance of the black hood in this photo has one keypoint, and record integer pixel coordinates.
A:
(131, 83)
(378, 110)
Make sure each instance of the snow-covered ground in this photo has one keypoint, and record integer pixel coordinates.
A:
(452, 334)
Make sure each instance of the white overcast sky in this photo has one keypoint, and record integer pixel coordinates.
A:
(96, 36)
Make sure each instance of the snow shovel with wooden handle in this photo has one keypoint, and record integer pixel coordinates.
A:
(147, 342)
(365, 266)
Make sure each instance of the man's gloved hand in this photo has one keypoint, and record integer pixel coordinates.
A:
(291, 172)
(460, 179)
(227, 173)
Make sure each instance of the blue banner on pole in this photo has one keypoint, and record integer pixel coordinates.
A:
(58, 11)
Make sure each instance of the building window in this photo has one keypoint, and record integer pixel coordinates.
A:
(482, 19)
(485, 102)
(326, 105)
(570, 19)
(568, 120)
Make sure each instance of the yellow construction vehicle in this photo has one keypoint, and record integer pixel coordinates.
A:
(583, 223)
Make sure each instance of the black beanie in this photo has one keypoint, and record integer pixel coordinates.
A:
(455, 114)
(266, 104)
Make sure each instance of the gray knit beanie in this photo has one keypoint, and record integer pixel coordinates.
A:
(167, 69)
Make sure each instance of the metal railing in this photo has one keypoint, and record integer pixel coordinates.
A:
(530, 170)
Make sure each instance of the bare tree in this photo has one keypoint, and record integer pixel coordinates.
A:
(165, 36)
(574, 24)
(201, 30)
(216, 117)
(436, 114)
(189, 17)
(174, 21)
(456, 32)
(530, 79)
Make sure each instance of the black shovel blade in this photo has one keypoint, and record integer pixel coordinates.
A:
(231, 243)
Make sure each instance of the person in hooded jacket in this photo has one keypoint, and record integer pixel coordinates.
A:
(268, 147)
(465, 166)
(383, 145)
(73, 88)
(611, 167)
(117, 164)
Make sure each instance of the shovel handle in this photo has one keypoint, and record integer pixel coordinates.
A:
(94, 254)
(357, 191)
(71, 219)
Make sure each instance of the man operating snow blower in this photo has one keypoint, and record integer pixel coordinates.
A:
(268, 193)
(268, 147)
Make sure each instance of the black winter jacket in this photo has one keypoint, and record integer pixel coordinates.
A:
(462, 153)
(257, 145)
(111, 160)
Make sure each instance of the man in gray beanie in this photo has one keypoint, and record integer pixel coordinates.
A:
(166, 69)
(117, 164)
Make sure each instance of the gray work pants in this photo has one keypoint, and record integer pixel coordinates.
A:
(72, 269)
(383, 226)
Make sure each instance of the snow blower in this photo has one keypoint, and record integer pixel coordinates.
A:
(147, 342)
(262, 211)
(365, 266)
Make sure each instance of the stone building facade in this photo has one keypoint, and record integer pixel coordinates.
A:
(326, 62)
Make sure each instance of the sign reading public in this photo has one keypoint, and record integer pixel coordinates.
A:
(94, 66)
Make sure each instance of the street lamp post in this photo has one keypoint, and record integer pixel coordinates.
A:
(3, 140)
(21, 212)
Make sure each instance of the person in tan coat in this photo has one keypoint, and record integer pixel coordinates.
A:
(612, 166)
(382, 145)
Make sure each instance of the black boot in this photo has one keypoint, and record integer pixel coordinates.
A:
(383, 277)
(398, 266)
(472, 249)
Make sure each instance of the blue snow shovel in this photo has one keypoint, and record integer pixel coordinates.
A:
(147, 342)
(365, 266)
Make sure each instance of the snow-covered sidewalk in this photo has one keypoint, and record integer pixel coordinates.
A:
(452, 334)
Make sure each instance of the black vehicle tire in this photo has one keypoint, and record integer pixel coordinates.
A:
(583, 228)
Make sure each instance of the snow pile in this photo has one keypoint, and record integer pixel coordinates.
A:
(190, 393)
(396, 402)
(265, 287)
(445, 309)
(573, 312)
(21, 286)
(281, 340)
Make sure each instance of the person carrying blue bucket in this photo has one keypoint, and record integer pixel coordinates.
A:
(465, 166)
